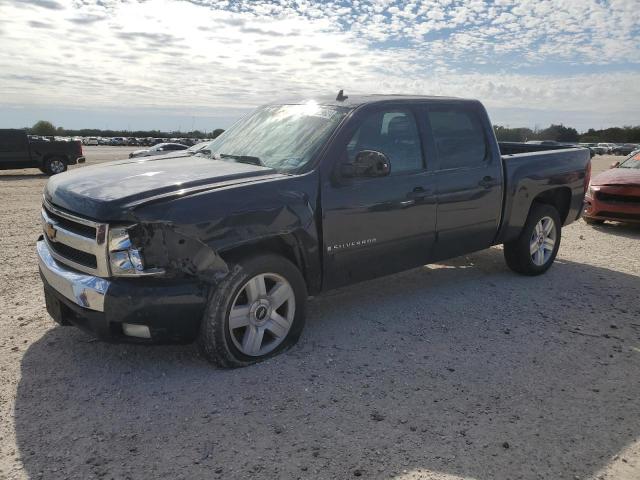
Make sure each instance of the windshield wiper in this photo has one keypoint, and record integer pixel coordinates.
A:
(242, 159)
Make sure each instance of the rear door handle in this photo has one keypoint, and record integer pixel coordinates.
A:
(487, 182)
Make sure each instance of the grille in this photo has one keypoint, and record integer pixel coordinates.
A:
(613, 198)
(79, 228)
(76, 242)
(77, 256)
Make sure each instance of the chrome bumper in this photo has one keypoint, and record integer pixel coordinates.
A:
(84, 290)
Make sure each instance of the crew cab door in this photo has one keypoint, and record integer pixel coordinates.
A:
(373, 226)
(14, 149)
(469, 177)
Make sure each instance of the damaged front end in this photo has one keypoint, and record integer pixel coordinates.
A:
(162, 249)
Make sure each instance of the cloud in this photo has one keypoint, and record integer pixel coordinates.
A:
(50, 4)
(273, 52)
(564, 56)
(87, 19)
(36, 24)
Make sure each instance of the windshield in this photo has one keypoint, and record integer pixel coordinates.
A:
(282, 137)
(632, 162)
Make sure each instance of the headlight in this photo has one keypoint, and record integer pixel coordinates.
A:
(124, 258)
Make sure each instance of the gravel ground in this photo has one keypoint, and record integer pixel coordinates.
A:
(457, 370)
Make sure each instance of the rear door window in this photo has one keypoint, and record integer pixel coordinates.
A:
(458, 135)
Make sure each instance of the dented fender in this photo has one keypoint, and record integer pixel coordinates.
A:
(192, 235)
(178, 253)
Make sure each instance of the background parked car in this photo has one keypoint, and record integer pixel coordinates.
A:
(91, 141)
(19, 150)
(159, 149)
(594, 148)
(607, 146)
(624, 149)
(615, 194)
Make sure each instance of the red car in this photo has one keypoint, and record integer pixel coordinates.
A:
(615, 194)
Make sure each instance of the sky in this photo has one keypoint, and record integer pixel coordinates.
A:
(201, 64)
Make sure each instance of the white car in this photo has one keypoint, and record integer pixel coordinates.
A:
(159, 149)
(608, 146)
(91, 141)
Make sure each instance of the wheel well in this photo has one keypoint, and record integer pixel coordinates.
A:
(559, 198)
(286, 247)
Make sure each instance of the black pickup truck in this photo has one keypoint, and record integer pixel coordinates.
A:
(293, 200)
(17, 150)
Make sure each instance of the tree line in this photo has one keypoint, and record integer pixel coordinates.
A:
(560, 133)
(46, 129)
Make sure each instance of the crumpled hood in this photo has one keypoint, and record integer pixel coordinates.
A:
(105, 191)
(617, 176)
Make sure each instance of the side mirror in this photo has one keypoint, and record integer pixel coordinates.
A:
(368, 163)
(615, 164)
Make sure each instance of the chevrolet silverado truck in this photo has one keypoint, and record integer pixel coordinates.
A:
(293, 200)
(17, 151)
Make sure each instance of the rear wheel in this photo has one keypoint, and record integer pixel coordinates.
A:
(534, 251)
(257, 312)
(54, 165)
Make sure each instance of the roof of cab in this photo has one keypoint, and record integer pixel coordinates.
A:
(352, 101)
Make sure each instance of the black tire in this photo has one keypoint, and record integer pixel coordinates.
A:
(54, 165)
(215, 340)
(592, 221)
(517, 253)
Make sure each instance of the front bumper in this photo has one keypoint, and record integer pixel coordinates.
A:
(171, 309)
(622, 203)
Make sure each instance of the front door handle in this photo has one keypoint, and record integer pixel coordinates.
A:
(418, 193)
(487, 182)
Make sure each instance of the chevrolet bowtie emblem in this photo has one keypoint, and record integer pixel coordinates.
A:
(50, 231)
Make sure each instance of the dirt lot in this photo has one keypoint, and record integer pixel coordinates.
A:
(458, 370)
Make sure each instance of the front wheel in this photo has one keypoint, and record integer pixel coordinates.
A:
(256, 312)
(54, 165)
(534, 251)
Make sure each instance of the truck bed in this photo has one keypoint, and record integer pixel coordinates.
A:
(541, 169)
(511, 148)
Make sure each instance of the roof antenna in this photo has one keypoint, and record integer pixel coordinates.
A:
(341, 96)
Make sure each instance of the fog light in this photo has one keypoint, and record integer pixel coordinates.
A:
(132, 330)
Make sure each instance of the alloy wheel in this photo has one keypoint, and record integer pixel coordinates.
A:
(57, 166)
(543, 241)
(262, 314)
